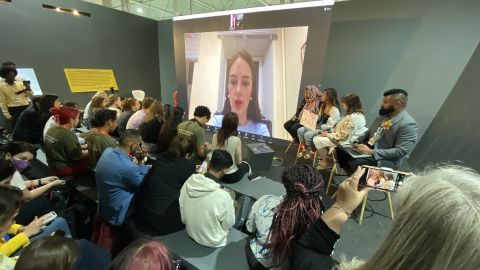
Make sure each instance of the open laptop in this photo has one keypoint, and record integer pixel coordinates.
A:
(350, 150)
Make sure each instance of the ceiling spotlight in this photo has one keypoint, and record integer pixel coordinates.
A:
(58, 9)
(75, 12)
(139, 10)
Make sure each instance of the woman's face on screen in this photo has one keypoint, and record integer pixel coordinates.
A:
(240, 86)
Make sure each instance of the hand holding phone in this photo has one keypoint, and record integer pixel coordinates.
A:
(49, 217)
(385, 179)
(348, 195)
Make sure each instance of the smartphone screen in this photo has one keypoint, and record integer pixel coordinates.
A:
(382, 179)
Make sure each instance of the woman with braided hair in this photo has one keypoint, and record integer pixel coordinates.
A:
(276, 223)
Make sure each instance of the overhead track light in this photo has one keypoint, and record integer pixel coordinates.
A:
(66, 10)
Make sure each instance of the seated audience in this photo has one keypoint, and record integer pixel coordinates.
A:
(115, 104)
(28, 127)
(97, 104)
(52, 122)
(227, 139)
(173, 117)
(157, 210)
(118, 174)
(348, 129)
(417, 239)
(328, 117)
(277, 222)
(98, 139)
(131, 106)
(390, 138)
(152, 123)
(308, 103)
(145, 255)
(137, 118)
(14, 159)
(86, 116)
(61, 253)
(64, 154)
(19, 236)
(14, 96)
(194, 130)
(205, 208)
(46, 102)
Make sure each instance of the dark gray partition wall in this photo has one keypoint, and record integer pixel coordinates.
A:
(421, 46)
(167, 60)
(49, 41)
(455, 131)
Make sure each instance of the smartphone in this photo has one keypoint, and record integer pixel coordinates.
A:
(49, 217)
(254, 176)
(385, 179)
(203, 167)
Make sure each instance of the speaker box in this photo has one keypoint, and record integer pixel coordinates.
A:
(260, 156)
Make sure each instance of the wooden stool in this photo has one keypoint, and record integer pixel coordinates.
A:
(364, 204)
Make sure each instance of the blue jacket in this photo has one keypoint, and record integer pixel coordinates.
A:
(118, 178)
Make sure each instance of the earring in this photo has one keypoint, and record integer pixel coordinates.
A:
(228, 96)
(251, 98)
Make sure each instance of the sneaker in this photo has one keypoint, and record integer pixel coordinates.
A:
(302, 153)
(307, 155)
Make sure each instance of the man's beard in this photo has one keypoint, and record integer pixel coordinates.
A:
(385, 112)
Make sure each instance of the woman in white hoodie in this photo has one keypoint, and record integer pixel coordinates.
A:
(205, 208)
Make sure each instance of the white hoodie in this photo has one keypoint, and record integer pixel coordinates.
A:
(206, 210)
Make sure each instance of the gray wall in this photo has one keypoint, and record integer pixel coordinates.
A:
(421, 46)
(167, 60)
(49, 41)
(454, 132)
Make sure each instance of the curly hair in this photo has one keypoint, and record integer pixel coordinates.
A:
(300, 208)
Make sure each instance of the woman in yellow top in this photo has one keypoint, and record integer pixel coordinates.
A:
(14, 96)
(16, 236)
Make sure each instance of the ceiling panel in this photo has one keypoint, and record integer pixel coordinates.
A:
(166, 9)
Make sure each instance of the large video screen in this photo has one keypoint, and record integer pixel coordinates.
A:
(255, 73)
(254, 64)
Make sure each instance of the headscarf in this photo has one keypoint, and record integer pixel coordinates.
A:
(312, 98)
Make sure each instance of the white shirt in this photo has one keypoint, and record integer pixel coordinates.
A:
(17, 181)
(136, 120)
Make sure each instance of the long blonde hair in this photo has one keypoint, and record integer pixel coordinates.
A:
(436, 225)
(156, 111)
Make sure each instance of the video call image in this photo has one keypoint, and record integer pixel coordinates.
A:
(255, 73)
(384, 180)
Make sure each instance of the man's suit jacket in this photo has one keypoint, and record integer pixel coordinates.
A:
(394, 145)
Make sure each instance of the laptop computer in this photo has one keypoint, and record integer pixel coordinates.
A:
(350, 150)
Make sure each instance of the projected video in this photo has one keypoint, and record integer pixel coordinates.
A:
(255, 73)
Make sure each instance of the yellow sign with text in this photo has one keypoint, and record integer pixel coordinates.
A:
(90, 80)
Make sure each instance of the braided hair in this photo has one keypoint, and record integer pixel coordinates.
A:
(300, 208)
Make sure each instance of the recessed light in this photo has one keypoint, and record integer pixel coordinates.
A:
(139, 10)
(75, 12)
(58, 9)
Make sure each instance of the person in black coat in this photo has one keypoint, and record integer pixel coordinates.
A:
(28, 127)
(157, 211)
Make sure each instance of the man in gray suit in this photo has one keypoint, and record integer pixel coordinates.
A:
(390, 138)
